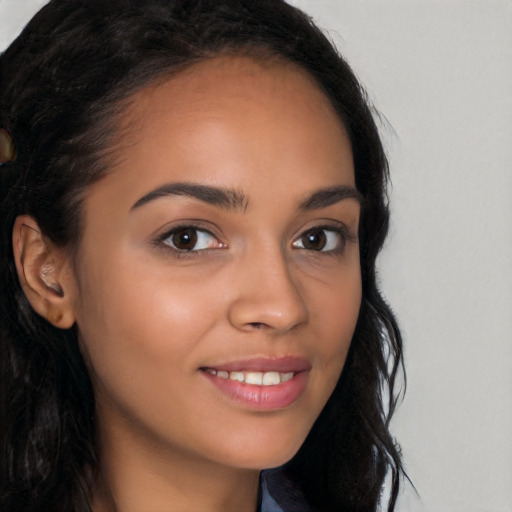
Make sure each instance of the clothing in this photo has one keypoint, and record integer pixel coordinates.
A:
(268, 504)
(280, 494)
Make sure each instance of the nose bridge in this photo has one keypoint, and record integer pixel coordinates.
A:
(267, 293)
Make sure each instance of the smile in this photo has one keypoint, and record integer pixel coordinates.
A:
(255, 378)
(264, 384)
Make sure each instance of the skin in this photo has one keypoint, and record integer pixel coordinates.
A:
(151, 316)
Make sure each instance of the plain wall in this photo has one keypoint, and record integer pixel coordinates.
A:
(440, 73)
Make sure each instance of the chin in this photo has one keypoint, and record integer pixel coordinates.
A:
(264, 450)
(260, 461)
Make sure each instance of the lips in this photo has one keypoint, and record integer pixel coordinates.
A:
(266, 364)
(261, 383)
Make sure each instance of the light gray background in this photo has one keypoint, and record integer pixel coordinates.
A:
(440, 72)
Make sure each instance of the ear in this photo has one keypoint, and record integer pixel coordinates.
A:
(45, 273)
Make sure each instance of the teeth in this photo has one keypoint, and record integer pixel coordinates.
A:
(271, 378)
(286, 376)
(239, 376)
(254, 378)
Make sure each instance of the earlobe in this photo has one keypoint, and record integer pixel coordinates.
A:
(44, 272)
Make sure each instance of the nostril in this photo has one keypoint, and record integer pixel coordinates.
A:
(257, 325)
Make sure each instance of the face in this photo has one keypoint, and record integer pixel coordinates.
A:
(218, 280)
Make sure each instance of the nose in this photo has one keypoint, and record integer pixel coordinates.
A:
(266, 295)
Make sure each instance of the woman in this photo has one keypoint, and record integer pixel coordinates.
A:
(193, 198)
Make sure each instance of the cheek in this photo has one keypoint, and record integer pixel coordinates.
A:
(141, 336)
(137, 325)
(336, 310)
(131, 298)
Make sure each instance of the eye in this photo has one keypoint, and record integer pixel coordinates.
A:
(322, 239)
(189, 238)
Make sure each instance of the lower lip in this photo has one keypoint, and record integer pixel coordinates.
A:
(263, 398)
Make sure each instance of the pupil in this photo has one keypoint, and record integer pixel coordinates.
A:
(185, 239)
(315, 240)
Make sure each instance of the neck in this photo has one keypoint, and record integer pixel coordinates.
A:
(135, 474)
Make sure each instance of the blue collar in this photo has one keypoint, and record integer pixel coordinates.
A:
(280, 494)
(268, 504)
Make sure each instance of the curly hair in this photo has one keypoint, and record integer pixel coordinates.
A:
(64, 82)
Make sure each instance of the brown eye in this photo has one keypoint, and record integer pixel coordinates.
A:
(322, 240)
(314, 240)
(190, 239)
(184, 239)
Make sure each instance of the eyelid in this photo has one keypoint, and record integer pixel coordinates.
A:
(333, 226)
(159, 241)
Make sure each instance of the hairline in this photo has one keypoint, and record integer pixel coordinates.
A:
(117, 112)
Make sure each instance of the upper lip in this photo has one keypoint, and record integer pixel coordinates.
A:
(265, 364)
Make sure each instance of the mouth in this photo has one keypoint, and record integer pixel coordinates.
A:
(254, 378)
(261, 383)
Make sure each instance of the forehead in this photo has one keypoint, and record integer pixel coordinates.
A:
(228, 79)
(234, 122)
(270, 95)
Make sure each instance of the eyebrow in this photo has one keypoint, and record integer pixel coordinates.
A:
(231, 199)
(227, 198)
(331, 195)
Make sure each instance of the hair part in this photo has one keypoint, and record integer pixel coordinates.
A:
(65, 82)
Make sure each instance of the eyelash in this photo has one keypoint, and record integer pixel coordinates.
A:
(341, 231)
(162, 241)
